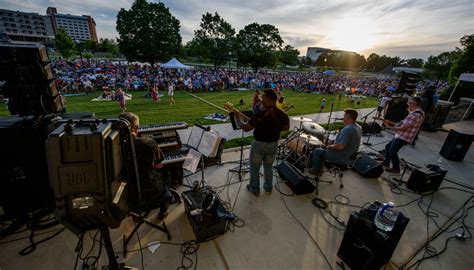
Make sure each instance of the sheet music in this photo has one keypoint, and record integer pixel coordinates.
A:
(209, 142)
(195, 137)
(192, 160)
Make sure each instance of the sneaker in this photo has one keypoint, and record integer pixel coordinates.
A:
(385, 165)
(249, 189)
(268, 192)
(161, 216)
(391, 170)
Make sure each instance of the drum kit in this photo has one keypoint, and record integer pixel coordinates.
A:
(301, 142)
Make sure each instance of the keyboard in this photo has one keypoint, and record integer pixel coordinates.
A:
(162, 127)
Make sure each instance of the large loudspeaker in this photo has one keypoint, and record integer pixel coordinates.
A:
(408, 83)
(456, 145)
(92, 170)
(397, 109)
(24, 181)
(426, 179)
(367, 167)
(295, 181)
(29, 86)
(364, 246)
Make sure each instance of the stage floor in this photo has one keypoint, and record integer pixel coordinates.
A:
(272, 238)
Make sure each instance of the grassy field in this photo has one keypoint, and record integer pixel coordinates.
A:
(190, 110)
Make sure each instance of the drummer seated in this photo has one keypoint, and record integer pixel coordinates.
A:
(347, 143)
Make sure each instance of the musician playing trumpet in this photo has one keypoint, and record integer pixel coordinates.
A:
(267, 126)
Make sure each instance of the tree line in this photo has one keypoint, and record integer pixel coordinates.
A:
(148, 32)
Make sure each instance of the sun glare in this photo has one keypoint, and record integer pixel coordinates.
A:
(352, 34)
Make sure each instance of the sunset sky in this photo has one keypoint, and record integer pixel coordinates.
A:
(396, 28)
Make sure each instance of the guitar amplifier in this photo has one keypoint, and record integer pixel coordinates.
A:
(364, 246)
(426, 179)
(205, 225)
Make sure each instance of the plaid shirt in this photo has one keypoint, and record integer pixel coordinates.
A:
(413, 121)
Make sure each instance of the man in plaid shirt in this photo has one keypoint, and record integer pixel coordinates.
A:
(405, 134)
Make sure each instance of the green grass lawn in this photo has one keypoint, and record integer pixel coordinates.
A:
(190, 110)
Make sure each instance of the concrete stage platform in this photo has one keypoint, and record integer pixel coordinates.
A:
(273, 236)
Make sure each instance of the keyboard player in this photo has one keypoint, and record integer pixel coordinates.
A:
(150, 161)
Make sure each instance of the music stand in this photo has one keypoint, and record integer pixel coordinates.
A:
(202, 141)
(236, 126)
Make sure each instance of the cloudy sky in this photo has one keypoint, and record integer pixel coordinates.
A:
(405, 28)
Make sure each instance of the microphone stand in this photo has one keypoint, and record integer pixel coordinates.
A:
(370, 133)
(317, 180)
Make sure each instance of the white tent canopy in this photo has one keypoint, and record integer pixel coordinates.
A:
(174, 63)
(467, 77)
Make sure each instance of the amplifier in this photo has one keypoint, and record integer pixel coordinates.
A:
(364, 246)
(426, 179)
(295, 181)
(205, 225)
(367, 167)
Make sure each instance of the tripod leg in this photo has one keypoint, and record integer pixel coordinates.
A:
(109, 248)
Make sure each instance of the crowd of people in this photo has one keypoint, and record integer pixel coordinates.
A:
(94, 75)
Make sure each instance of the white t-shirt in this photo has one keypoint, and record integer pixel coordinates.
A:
(170, 90)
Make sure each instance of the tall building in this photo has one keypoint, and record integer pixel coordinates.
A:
(78, 27)
(25, 26)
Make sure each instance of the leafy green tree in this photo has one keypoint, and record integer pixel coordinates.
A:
(289, 55)
(89, 45)
(148, 32)
(437, 67)
(414, 62)
(64, 43)
(465, 60)
(214, 40)
(107, 45)
(258, 45)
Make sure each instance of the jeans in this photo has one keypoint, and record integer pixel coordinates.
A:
(391, 152)
(317, 158)
(262, 152)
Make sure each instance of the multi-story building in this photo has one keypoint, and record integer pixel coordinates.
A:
(78, 27)
(25, 26)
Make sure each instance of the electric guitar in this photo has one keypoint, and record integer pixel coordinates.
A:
(385, 121)
(230, 107)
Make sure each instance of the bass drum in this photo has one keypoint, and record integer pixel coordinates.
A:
(314, 130)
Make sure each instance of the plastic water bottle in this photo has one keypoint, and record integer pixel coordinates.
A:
(386, 217)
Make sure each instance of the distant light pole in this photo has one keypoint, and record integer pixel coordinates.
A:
(230, 58)
(79, 47)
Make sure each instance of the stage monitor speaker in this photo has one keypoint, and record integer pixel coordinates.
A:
(364, 246)
(397, 109)
(294, 179)
(456, 145)
(426, 179)
(367, 167)
(371, 127)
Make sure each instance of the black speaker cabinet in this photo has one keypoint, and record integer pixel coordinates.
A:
(426, 179)
(364, 246)
(371, 127)
(397, 109)
(456, 145)
(294, 179)
(367, 167)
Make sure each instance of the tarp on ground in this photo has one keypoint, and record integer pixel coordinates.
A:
(175, 64)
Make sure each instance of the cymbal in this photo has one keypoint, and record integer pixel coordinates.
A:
(302, 119)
